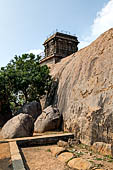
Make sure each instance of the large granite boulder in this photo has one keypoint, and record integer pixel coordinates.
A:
(49, 120)
(85, 91)
(32, 108)
(21, 125)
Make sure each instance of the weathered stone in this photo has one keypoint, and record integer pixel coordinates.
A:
(73, 142)
(55, 150)
(85, 91)
(32, 108)
(65, 156)
(62, 143)
(21, 125)
(49, 120)
(103, 148)
(79, 164)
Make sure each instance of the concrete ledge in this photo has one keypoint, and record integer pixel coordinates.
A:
(17, 161)
(16, 158)
(40, 140)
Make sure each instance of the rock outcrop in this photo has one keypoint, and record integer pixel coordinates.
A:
(32, 108)
(49, 120)
(21, 125)
(85, 91)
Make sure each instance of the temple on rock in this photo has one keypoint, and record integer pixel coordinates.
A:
(58, 46)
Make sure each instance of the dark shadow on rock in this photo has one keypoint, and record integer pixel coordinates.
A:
(32, 108)
(98, 129)
(52, 98)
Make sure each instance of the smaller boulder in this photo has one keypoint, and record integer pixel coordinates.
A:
(49, 120)
(80, 164)
(32, 108)
(62, 143)
(65, 157)
(21, 125)
(103, 148)
(55, 150)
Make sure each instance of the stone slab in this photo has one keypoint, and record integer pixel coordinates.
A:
(16, 158)
(40, 140)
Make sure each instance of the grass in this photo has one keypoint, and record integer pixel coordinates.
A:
(48, 150)
(98, 159)
(78, 154)
(108, 158)
(99, 165)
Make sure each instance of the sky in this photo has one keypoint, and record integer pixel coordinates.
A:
(26, 24)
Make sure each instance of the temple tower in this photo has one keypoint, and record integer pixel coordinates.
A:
(58, 46)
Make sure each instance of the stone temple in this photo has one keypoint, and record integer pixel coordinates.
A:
(58, 46)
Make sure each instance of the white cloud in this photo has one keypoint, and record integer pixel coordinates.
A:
(35, 51)
(102, 22)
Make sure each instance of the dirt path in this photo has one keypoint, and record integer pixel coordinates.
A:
(40, 158)
(5, 159)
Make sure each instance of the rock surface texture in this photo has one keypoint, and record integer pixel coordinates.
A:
(49, 120)
(85, 91)
(33, 108)
(19, 126)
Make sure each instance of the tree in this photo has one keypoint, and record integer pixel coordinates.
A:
(24, 80)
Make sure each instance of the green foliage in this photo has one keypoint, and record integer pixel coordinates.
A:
(24, 80)
(98, 159)
(48, 150)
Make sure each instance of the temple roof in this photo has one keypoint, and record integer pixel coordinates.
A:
(62, 36)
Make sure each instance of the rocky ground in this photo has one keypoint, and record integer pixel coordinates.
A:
(51, 157)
